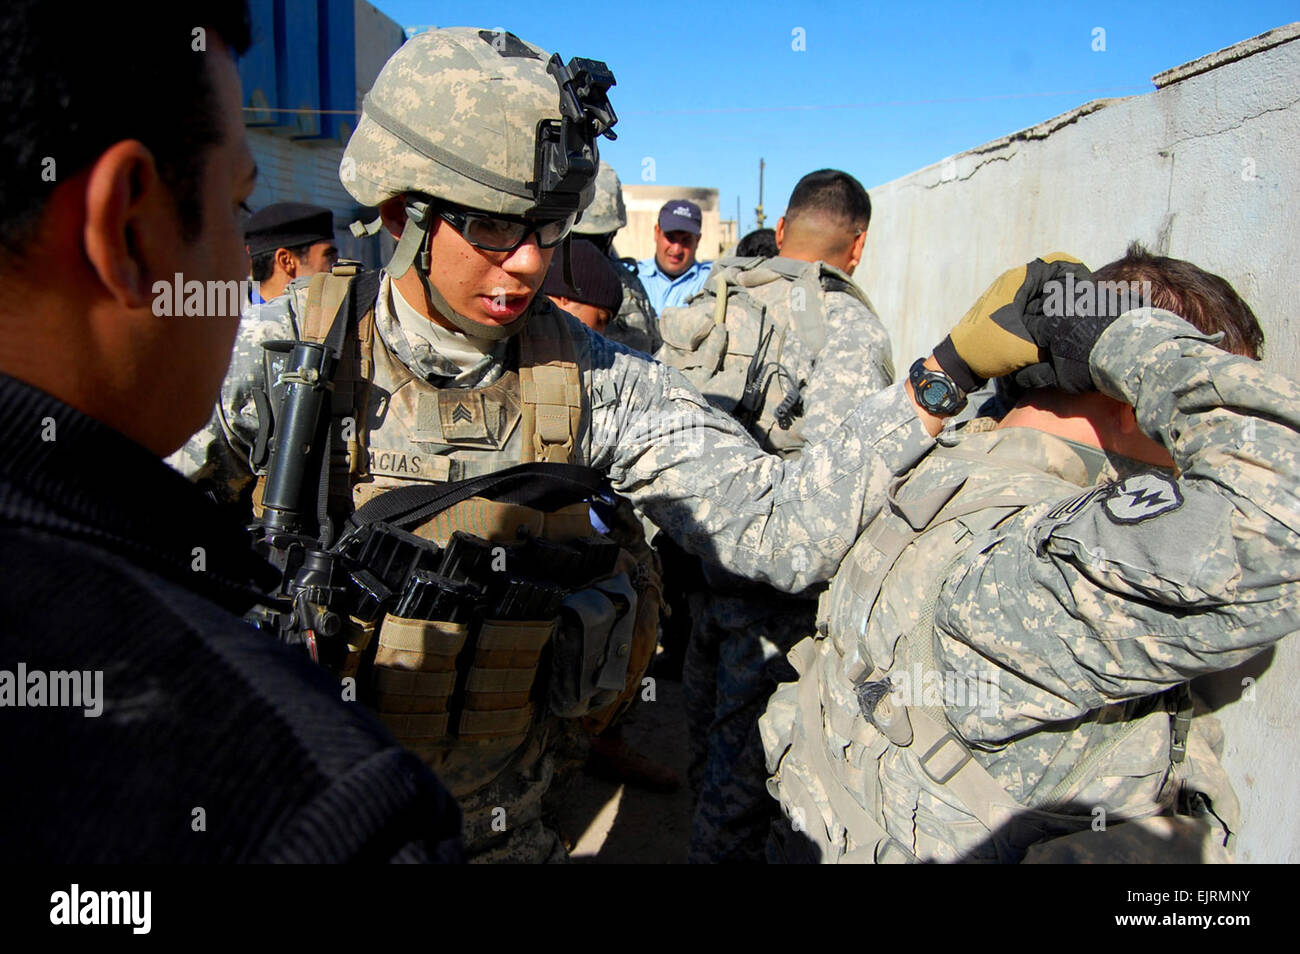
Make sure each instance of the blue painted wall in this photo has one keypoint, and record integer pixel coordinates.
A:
(303, 57)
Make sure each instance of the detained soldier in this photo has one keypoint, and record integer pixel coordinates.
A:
(468, 422)
(1003, 672)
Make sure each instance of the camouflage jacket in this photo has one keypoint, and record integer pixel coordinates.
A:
(693, 470)
(1044, 629)
(636, 324)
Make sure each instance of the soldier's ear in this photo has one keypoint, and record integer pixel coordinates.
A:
(855, 253)
(132, 230)
(393, 213)
(286, 262)
(780, 232)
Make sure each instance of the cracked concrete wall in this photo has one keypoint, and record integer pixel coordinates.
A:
(1205, 168)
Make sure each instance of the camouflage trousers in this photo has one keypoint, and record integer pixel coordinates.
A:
(734, 662)
(503, 822)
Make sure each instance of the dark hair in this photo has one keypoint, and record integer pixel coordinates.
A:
(1203, 299)
(758, 243)
(73, 88)
(835, 193)
(263, 263)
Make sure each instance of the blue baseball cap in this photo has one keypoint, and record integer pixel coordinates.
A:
(679, 215)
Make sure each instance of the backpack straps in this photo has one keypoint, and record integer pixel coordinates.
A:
(815, 279)
(720, 305)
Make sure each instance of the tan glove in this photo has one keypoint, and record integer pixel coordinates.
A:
(1004, 331)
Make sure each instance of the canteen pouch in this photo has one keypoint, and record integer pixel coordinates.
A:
(414, 675)
(592, 647)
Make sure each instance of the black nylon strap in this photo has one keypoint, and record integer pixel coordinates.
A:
(543, 486)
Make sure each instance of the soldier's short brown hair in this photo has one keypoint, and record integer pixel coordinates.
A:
(1202, 298)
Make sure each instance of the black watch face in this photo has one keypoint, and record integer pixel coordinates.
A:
(934, 393)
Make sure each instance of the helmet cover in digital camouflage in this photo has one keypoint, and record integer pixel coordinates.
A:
(607, 213)
(484, 120)
(454, 114)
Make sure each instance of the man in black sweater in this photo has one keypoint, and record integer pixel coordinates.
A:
(140, 718)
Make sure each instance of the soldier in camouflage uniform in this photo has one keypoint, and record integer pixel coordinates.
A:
(827, 350)
(635, 325)
(1002, 671)
(448, 148)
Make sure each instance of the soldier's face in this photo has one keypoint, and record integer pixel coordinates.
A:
(675, 250)
(491, 288)
(593, 316)
(319, 258)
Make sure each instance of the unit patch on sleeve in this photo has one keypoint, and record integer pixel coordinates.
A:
(1142, 497)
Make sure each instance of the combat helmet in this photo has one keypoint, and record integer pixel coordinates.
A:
(607, 213)
(483, 120)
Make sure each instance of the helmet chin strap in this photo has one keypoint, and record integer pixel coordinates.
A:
(413, 245)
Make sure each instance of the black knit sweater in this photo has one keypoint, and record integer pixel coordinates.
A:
(214, 742)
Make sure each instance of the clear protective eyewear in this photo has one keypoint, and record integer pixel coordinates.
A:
(495, 234)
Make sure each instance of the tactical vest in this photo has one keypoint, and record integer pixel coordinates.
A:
(845, 757)
(472, 696)
(748, 340)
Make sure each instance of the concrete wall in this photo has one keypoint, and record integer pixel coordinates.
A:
(1205, 168)
(637, 240)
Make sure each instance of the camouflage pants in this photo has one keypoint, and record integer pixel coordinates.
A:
(735, 660)
(503, 822)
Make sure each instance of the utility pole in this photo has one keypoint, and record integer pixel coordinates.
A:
(759, 211)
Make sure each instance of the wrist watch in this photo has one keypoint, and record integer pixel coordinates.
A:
(935, 391)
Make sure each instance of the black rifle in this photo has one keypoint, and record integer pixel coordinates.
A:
(294, 532)
(295, 543)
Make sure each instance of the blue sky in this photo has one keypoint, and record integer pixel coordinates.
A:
(879, 90)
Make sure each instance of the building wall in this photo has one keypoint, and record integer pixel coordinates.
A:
(296, 169)
(1205, 168)
(636, 239)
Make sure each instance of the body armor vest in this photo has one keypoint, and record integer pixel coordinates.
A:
(473, 695)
